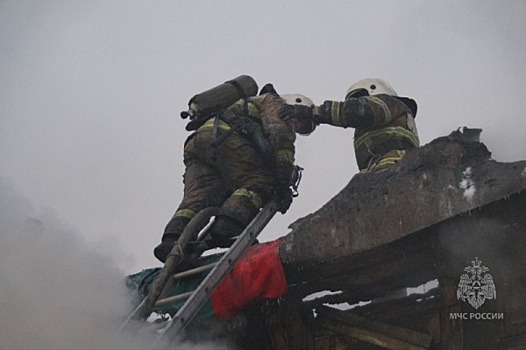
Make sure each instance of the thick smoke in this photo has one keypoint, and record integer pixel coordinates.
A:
(56, 291)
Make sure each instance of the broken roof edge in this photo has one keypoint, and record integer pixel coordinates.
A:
(444, 178)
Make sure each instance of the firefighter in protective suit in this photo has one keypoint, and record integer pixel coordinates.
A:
(383, 122)
(238, 161)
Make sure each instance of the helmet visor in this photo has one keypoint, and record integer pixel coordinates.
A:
(357, 93)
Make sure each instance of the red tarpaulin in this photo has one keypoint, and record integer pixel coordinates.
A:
(256, 277)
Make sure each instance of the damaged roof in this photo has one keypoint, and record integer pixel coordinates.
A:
(383, 230)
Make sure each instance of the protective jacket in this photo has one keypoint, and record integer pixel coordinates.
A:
(264, 111)
(384, 127)
(229, 165)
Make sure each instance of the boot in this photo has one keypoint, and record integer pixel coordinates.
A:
(162, 250)
(172, 232)
(224, 231)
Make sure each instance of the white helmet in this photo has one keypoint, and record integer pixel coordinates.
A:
(370, 87)
(302, 127)
(297, 99)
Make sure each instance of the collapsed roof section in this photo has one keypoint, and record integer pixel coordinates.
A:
(347, 237)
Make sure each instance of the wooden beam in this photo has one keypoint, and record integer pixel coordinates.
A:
(375, 209)
(373, 332)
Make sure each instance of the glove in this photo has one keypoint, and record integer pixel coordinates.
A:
(328, 112)
(284, 198)
(303, 113)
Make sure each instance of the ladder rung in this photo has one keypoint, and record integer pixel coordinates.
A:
(195, 271)
(174, 298)
(198, 298)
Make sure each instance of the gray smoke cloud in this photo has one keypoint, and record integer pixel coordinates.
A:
(56, 291)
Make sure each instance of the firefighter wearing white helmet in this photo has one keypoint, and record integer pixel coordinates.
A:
(237, 160)
(370, 87)
(383, 122)
(301, 126)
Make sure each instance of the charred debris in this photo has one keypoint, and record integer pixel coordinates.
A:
(445, 207)
(427, 255)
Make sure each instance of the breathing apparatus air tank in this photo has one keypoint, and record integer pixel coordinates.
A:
(220, 97)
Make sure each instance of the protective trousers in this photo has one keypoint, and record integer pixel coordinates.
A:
(230, 175)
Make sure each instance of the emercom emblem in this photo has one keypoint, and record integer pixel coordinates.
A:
(476, 285)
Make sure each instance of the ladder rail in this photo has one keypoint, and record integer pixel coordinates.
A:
(199, 296)
(173, 260)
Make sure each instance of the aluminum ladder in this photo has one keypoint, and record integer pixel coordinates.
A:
(197, 298)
